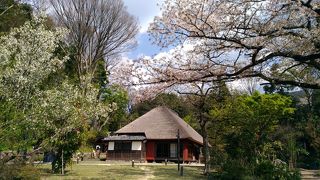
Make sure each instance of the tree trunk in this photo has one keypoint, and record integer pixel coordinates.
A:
(205, 149)
(58, 164)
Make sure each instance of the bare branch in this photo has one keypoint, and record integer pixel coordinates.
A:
(99, 30)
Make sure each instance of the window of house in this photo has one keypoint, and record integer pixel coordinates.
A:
(111, 146)
(136, 145)
(173, 150)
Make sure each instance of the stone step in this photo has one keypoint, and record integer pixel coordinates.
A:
(309, 174)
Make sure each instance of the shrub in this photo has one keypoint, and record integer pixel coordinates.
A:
(17, 169)
(266, 170)
(235, 169)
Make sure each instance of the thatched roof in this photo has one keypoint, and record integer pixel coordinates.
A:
(124, 137)
(161, 123)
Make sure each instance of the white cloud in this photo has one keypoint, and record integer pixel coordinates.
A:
(247, 85)
(144, 10)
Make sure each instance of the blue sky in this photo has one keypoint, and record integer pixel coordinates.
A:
(144, 10)
(144, 47)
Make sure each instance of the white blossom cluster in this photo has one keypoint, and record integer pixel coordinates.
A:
(27, 60)
(240, 39)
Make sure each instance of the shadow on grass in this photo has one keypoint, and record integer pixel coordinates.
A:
(45, 171)
(121, 171)
(166, 172)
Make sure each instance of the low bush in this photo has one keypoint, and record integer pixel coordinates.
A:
(234, 169)
(17, 169)
(266, 170)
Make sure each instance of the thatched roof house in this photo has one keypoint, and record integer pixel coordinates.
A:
(161, 123)
(153, 137)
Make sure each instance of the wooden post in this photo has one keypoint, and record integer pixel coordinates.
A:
(78, 158)
(165, 161)
(62, 168)
(181, 171)
(178, 149)
(132, 163)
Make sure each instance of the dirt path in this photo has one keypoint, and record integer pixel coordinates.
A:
(148, 173)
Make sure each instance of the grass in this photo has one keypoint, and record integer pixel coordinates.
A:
(123, 172)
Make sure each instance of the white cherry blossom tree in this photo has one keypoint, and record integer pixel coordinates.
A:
(45, 116)
(245, 38)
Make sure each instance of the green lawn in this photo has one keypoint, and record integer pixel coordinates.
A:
(124, 172)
